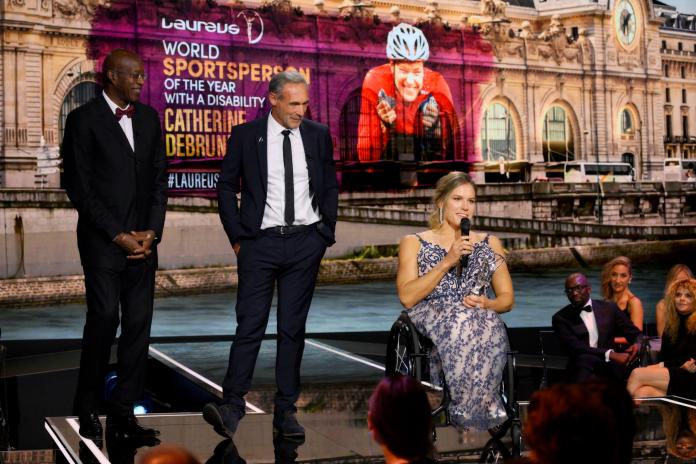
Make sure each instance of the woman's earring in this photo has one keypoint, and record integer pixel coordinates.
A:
(442, 216)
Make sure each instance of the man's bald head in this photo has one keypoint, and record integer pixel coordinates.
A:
(124, 75)
(117, 58)
(575, 279)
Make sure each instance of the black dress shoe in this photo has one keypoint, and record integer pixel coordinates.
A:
(226, 453)
(285, 424)
(128, 427)
(285, 450)
(123, 449)
(90, 426)
(224, 418)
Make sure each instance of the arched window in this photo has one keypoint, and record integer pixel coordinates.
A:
(627, 126)
(348, 128)
(558, 145)
(78, 96)
(497, 134)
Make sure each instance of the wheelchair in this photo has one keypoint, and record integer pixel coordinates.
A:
(408, 353)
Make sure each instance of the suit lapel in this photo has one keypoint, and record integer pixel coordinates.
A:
(576, 322)
(137, 133)
(261, 151)
(601, 320)
(310, 155)
(112, 125)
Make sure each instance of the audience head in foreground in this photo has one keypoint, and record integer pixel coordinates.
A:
(580, 423)
(399, 420)
(168, 454)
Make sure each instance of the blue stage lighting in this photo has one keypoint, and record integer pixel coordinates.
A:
(139, 409)
(143, 406)
(110, 384)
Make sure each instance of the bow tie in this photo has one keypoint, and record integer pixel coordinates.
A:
(587, 308)
(128, 112)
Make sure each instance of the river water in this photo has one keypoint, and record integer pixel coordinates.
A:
(369, 306)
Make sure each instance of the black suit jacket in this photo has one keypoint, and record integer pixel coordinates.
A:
(245, 169)
(113, 188)
(611, 322)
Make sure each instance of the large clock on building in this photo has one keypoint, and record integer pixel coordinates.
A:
(626, 22)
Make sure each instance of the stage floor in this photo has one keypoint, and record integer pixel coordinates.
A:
(329, 438)
(337, 379)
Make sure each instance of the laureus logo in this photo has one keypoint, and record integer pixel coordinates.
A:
(254, 25)
(246, 20)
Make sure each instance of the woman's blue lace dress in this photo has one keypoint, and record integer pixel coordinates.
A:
(470, 344)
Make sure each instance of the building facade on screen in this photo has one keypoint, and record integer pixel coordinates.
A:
(508, 91)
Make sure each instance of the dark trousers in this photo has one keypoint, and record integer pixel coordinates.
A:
(587, 366)
(293, 262)
(131, 289)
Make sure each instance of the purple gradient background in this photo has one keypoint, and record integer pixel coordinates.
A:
(338, 53)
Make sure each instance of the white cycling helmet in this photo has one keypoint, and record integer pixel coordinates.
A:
(406, 42)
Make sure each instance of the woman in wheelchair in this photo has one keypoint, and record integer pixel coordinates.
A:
(443, 280)
(676, 374)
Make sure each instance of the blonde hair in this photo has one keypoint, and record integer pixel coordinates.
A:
(607, 291)
(444, 187)
(671, 315)
(674, 271)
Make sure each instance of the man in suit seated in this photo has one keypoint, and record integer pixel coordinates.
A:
(587, 329)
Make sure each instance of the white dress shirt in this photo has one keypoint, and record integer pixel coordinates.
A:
(590, 322)
(588, 318)
(125, 122)
(274, 212)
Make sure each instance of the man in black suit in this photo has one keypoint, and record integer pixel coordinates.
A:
(115, 173)
(283, 166)
(587, 328)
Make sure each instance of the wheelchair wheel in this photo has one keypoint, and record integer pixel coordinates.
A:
(403, 349)
(516, 432)
(494, 452)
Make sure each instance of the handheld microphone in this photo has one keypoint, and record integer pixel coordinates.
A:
(464, 228)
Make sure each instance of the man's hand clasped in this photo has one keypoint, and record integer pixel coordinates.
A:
(627, 356)
(136, 244)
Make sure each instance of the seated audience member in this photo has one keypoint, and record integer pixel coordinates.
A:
(587, 329)
(677, 272)
(580, 423)
(676, 373)
(399, 420)
(616, 278)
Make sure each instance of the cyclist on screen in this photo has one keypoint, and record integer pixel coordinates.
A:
(405, 107)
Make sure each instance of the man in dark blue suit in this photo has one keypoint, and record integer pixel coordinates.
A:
(587, 328)
(283, 166)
